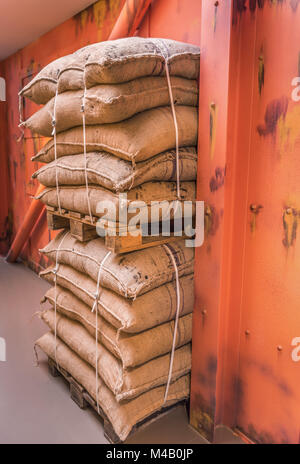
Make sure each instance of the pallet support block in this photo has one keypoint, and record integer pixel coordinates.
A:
(82, 231)
(57, 222)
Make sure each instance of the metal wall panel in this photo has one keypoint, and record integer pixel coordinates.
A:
(246, 369)
(268, 376)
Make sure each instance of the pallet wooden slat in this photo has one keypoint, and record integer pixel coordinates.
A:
(117, 238)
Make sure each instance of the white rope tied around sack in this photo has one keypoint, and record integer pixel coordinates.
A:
(55, 271)
(164, 52)
(21, 109)
(95, 310)
(169, 250)
(85, 154)
(21, 121)
(55, 149)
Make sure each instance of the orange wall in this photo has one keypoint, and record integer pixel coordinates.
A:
(247, 272)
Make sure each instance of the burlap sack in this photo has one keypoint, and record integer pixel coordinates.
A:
(44, 85)
(110, 103)
(129, 274)
(136, 139)
(132, 349)
(146, 311)
(125, 384)
(115, 174)
(130, 58)
(113, 62)
(123, 416)
(116, 208)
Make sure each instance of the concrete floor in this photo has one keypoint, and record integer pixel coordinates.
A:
(35, 408)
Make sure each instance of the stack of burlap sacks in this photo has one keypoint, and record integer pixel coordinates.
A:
(126, 303)
(136, 310)
(130, 133)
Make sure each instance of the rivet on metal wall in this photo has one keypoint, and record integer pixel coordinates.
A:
(279, 348)
(247, 332)
(255, 208)
(289, 211)
(204, 312)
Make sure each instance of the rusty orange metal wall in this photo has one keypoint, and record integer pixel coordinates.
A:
(246, 372)
(246, 275)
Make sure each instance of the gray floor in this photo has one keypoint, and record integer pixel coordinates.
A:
(36, 408)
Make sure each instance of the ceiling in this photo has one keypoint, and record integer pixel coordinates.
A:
(23, 21)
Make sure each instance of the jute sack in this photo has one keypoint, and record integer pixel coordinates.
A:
(132, 349)
(129, 274)
(112, 62)
(125, 384)
(110, 103)
(136, 139)
(123, 416)
(44, 85)
(126, 59)
(103, 202)
(116, 174)
(126, 315)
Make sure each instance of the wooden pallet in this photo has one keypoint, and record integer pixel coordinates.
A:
(82, 398)
(117, 237)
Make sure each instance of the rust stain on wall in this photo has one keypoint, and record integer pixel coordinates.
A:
(259, 437)
(203, 412)
(202, 421)
(215, 16)
(289, 130)
(253, 4)
(97, 13)
(81, 19)
(255, 210)
(290, 225)
(240, 6)
(275, 110)
(276, 2)
(211, 220)
(6, 234)
(261, 72)
(294, 5)
(100, 11)
(213, 113)
(217, 181)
